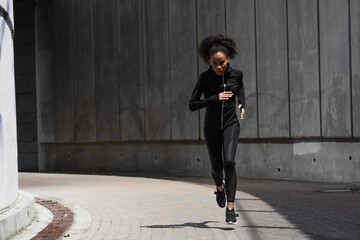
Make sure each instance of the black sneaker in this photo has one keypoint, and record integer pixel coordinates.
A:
(231, 216)
(220, 197)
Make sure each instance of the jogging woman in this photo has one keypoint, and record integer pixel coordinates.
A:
(221, 86)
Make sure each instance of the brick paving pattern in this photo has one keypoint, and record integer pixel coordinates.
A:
(62, 220)
(185, 208)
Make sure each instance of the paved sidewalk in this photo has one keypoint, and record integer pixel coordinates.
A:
(116, 207)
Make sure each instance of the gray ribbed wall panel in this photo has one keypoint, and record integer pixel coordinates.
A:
(106, 71)
(335, 68)
(156, 70)
(130, 67)
(44, 78)
(84, 74)
(183, 73)
(131, 70)
(272, 68)
(63, 74)
(355, 62)
(210, 21)
(240, 25)
(304, 69)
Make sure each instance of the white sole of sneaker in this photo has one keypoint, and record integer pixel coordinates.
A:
(233, 223)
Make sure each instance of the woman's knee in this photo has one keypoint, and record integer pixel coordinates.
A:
(229, 164)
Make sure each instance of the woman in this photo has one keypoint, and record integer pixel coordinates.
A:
(220, 85)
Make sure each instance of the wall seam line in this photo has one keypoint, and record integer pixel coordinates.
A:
(256, 72)
(197, 63)
(142, 68)
(95, 70)
(117, 67)
(169, 61)
(72, 21)
(225, 16)
(350, 73)
(319, 65)
(288, 64)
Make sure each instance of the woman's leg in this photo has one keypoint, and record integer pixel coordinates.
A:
(213, 141)
(230, 141)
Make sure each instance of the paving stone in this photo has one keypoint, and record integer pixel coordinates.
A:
(118, 207)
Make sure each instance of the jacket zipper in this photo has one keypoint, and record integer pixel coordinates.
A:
(222, 107)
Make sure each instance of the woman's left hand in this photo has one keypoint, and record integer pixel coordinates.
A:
(242, 111)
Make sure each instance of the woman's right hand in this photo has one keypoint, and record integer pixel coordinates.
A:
(225, 95)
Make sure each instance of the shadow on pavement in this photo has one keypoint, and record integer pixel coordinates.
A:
(255, 211)
(190, 224)
(304, 205)
(270, 227)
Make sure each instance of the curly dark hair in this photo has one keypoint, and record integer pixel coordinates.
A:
(214, 44)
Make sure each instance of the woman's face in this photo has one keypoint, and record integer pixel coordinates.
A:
(219, 62)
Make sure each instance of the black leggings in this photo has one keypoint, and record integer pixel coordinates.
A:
(221, 145)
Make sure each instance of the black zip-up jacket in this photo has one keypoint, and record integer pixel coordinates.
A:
(219, 114)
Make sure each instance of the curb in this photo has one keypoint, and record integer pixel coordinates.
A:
(17, 216)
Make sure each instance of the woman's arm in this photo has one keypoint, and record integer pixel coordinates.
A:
(241, 92)
(195, 103)
(241, 96)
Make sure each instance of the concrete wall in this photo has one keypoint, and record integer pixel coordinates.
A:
(320, 160)
(8, 143)
(25, 84)
(118, 72)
